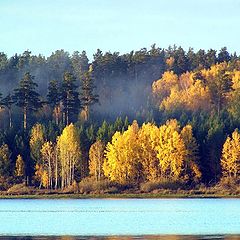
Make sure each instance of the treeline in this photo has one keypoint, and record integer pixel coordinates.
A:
(119, 79)
(42, 97)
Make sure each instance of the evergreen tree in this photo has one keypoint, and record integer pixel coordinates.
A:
(70, 100)
(88, 97)
(102, 133)
(223, 55)
(80, 63)
(7, 102)
(53, 98)
(26, 97)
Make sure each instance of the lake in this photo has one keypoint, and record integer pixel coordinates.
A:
(132, 218)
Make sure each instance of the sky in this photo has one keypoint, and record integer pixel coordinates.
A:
(44, 26)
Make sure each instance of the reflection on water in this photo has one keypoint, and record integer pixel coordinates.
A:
(150, 237)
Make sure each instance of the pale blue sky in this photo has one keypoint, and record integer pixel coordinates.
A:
(44, 26)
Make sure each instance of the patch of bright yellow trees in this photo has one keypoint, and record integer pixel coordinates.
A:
(55, 162)
(150, 153)
(206, 90)
(231, 156)
(139, 154)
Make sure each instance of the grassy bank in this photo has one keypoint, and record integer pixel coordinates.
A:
(88, 189)
(118, 196)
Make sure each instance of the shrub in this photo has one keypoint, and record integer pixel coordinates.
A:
(19, 189)
(90, 185)
(227, 184)
(161, 184)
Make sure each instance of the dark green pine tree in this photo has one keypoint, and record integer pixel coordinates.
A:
(70, 100)
(223, 55)
(54, 98)
(102, 133)
(26, 97)
(219, 88)
(79, 63)
(7, 103)
(88, 97)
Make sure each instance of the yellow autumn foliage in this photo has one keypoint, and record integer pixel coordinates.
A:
(230, 160)
(36, 141)
(208, 90)
(68, 145)
(19, 166)
(49, 161)
(122, 154)
(149, 153)
(162, 87)
(96, 159)
(148, 141)
(171, 151)
(191, 97)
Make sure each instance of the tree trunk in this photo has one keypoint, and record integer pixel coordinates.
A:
(67, 117)
(56, 172)
(10, 117)
(219, 106)
(25, 118)
(62, 178)
(49, 173)
(72, 173)
(55, 111)
(99, 169)
(86, 110)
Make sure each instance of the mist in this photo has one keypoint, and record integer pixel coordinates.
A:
(122, 82)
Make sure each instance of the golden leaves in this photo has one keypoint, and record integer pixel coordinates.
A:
(149, 152)
(230, 160)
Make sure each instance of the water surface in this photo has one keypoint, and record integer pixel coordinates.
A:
(217, 218)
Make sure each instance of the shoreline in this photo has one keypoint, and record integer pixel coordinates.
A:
(118, 196)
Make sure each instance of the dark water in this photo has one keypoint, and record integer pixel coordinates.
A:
(120, 219)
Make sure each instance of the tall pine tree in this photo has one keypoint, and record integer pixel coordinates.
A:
(26, 97)
(7, 103)
(88, 97)
(54, 98)
(70, 100)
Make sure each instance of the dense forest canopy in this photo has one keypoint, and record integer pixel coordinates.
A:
(142, 116)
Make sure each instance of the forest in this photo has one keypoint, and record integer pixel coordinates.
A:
(119, 121)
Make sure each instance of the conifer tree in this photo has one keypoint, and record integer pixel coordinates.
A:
(26, 97)
(191, 168)
(88, 97)
(71, 102)
(53, 98)
(102, 133)
(7, 102)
